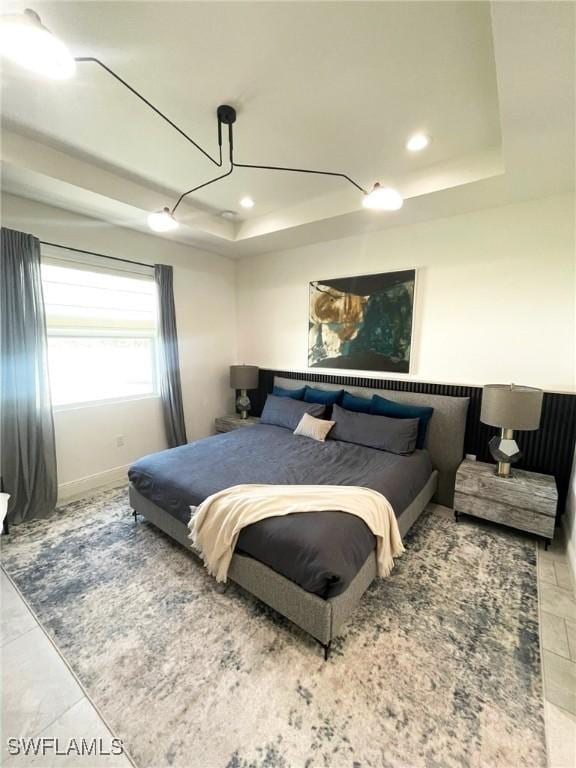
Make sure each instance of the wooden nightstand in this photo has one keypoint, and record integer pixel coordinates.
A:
(526, 501)
(233, 421)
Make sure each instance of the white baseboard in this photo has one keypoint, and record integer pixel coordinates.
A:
(83, 485)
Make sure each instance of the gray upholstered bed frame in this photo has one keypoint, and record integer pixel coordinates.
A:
(323, 618)
(445, 436)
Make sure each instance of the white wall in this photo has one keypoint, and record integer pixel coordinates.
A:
(570, 520)
(495, 295)
(495, 303)
(204, 294)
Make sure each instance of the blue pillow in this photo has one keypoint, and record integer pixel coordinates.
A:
(323, 396)
(384, 407)
(295, 394)
(287, 412)
(358, 404)
(374, 431)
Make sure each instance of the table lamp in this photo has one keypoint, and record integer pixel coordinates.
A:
(243, 377)
(509, 407)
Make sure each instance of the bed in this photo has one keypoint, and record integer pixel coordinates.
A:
(313, 568)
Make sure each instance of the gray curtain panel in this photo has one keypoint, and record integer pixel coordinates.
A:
(28, 451)
(170, 386)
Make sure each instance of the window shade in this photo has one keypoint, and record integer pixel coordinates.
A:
(78, 299)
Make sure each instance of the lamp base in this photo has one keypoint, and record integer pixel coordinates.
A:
(504, 450)
(503, 469)
(243, 404)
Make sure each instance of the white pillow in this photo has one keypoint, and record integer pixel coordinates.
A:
(317, 429)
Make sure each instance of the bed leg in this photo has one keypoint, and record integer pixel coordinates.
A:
(327, 648)
(135, 515)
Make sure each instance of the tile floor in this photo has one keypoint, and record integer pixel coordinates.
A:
(42, 697)
(558, 639)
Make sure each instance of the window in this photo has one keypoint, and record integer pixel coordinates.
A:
(101, 333)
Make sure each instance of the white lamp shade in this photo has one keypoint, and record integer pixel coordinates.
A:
(24, 40)
(383, 199)
(162, 221)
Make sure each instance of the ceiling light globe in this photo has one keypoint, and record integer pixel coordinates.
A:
(25, 41)
(383, 199)
(162, 221)
(417, 142)
(247, 202)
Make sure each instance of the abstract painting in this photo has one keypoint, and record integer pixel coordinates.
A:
(362, 323)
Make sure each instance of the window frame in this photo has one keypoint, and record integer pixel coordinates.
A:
(154, 394)
(108, 401)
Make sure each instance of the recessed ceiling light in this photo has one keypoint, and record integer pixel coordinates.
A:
(247, 202)
(417, 142)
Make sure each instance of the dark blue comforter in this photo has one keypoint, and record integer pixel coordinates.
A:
(320, 551)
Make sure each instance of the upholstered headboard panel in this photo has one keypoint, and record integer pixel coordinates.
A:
(445, 438)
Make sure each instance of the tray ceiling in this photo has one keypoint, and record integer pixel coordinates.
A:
(335, 86)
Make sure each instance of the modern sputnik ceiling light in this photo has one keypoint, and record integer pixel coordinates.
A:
(26, 41)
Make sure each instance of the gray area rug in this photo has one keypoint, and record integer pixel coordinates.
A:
(439, 666)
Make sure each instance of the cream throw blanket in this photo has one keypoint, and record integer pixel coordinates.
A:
(216, 524)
